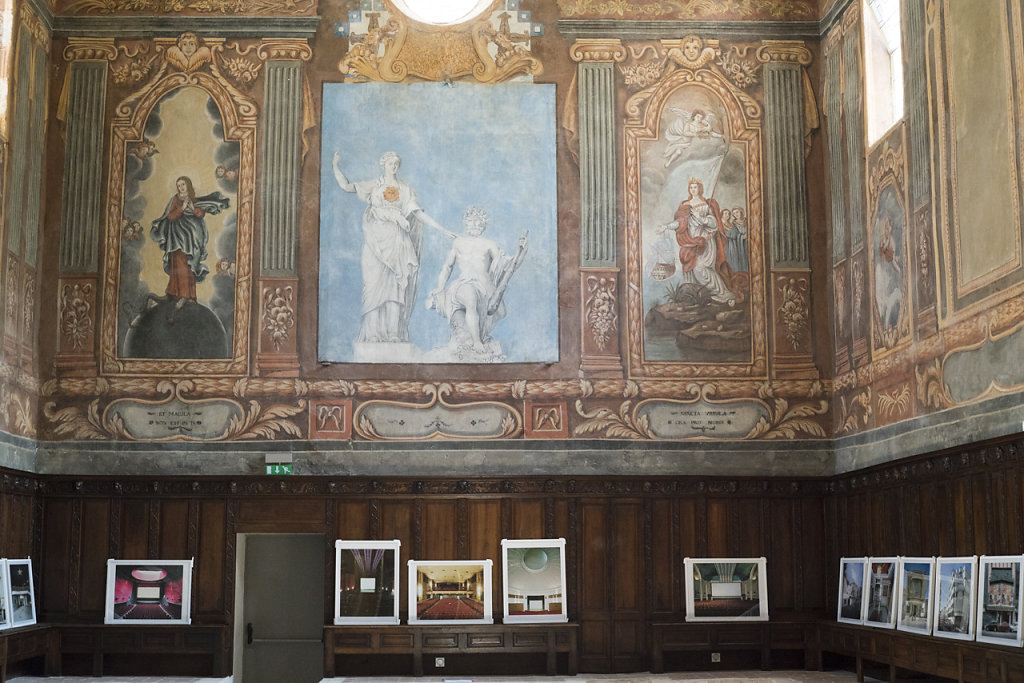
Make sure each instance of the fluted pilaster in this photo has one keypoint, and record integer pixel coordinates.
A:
(596, 84)
(81, 198)
(786, 172)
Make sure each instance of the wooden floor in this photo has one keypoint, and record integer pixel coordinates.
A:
(729, 677)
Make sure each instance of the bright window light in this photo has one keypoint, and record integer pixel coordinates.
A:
(883, 66)
(442, 12)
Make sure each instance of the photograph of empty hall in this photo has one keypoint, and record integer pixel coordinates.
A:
(534, 580)
(727, 589)
(366, 582)
(450, 591)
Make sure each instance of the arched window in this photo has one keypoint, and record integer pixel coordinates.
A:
(883, 66)
(442, 12)
(6, 36)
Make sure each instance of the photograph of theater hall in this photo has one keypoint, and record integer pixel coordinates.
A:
(717, 280)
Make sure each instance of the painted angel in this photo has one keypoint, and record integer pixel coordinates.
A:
(687, 127)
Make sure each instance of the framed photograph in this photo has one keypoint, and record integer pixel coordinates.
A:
(21, 602)
(915, 594)
(852, 572)
(999, 604)
(534, 580)
(450, 592)
(880, 593)
(148, 592)
(5, 600)
(956, 590)
(726, 589)
(366, 582)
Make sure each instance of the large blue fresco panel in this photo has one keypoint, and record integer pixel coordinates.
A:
(384, 296)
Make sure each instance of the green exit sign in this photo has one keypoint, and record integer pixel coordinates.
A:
(279, 469)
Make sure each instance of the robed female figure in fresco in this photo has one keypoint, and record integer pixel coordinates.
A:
(392, 242)
(182, 235)
(702, 245)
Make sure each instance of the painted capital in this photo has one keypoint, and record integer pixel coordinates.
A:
(598, 50)
(784, 52)
(284, 48)
(90, 50)
(851, 16)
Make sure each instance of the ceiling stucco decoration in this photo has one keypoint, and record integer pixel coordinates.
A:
(690, 9)
(189, 7)
(386, 45)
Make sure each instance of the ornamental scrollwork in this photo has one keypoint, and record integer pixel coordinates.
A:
(601, 309)
(623, 424)
(229, 7)
(248, 421)
(386, 46)
(278, 314)
(794, 313)
(189, 60)
(786, 420)
(75, 308)
(737, 68)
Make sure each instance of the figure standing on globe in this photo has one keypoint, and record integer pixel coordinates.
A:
(182, 234)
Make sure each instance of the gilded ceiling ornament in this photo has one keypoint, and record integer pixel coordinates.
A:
(689, 9)
(388, 46)
(182, 7)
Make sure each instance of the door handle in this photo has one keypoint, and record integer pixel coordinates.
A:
(248, 632)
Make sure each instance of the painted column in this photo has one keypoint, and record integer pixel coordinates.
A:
(837, 194)
(916, 93)
(282, 162)
(853, 111)
(81, 202)
(786, 192)
(599, 274)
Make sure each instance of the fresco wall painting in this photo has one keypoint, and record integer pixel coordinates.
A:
(430, 250)
(889, 260)
(693, 214)
(977, 86)
(179, 224)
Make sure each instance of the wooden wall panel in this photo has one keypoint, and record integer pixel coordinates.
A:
(813, 570)
(781, 583)
(56, 558)
(135, 529)
(528, 519)
(209, 579)
(718, 541)
(173, 531)
(663, 550)
(352, 521)
(439, 536)
(93, 565)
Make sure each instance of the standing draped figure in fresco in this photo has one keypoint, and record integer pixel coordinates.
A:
(392, 242)
(182, 235)
(702, 244)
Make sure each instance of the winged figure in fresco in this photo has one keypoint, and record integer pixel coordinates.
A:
(686, 128)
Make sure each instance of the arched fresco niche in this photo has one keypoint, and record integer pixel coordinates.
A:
(179, 227)
(694, 238)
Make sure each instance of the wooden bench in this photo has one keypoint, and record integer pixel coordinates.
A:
(27, 642)
(420, 641)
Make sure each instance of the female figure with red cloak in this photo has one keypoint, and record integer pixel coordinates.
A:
(698, 228)
(182, 235)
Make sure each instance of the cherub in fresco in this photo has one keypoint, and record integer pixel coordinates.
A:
(187, 54)
(686, 128)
